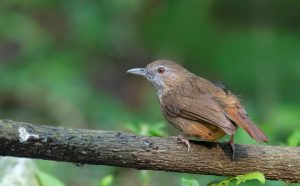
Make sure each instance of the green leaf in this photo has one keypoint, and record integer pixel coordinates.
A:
(158, 129)
(46, 179)
(107, 180)
(145, 177)
(132, 128)
(241, 179)
(187, 182)
(148, 130)
(251, 176)
(294, 139)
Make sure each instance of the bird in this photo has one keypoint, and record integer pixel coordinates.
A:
(196, 106)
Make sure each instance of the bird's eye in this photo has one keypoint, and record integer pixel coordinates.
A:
(160, 70)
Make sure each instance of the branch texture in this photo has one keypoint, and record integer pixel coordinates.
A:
(152, 153)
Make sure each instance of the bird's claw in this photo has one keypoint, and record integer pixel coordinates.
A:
(232, 146)
(185, 141)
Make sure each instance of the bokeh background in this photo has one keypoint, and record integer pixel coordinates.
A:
(64, 62)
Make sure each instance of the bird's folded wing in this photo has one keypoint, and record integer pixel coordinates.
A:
(197, 108)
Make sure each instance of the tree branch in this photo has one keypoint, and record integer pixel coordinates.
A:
(152, 153)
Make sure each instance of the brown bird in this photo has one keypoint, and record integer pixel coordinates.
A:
(196, 106)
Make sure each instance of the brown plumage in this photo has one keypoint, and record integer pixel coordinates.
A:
(196, 106)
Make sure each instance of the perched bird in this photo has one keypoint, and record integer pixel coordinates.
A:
(196, 106)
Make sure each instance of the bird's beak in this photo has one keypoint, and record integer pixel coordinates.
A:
(137, 71)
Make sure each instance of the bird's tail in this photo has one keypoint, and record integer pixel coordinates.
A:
(241, 119)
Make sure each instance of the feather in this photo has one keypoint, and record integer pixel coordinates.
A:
(193, 107)
(240, 118)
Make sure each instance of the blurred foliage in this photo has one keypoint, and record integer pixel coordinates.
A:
(46, 179)
(188, 182)
(145, 177)
(107, 180)
(294, 139)
(241, 179)
(64, 63)
(18, 172)
(143, 129)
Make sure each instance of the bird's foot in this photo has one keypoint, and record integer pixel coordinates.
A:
(185, 141)
(232, 146)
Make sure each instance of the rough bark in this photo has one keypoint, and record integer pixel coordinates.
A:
(152, 153)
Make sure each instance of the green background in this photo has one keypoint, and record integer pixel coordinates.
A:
(64, 62)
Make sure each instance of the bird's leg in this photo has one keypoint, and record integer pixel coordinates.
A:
(231, 143)
(185, 141)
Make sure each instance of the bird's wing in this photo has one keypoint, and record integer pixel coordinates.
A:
(232, 106)
(196, 107)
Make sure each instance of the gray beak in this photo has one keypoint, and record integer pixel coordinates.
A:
(137, 71)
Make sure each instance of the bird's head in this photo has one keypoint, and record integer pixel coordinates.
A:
(162, 73)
